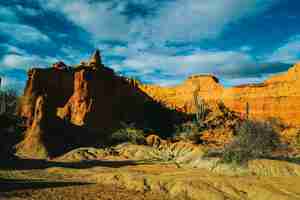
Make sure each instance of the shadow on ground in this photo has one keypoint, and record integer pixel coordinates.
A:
(29, 164)
(7, 185)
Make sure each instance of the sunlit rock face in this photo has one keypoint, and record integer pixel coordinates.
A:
(278, 97)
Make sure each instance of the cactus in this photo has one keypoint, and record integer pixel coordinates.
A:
(247, 110)
(200, 106)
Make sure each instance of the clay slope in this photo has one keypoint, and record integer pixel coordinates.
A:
(277, 97)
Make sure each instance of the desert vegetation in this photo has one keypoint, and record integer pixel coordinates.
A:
(254, 140)
(11, 129)
(8, 100)
(127, 132)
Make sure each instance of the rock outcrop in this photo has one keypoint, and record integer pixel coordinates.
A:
(277, 97)
(95, 60)
(84, 104)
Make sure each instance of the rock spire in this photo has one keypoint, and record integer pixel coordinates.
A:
(95, 60)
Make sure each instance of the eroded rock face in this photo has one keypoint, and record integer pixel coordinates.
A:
(84, 104)
(34, 144)
(278, 97)
(181, 97)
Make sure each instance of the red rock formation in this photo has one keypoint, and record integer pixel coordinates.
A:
(181, 97)
(278, 97)
(87, 99)
(93, 99)
(34, 145)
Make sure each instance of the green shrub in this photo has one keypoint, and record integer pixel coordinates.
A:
(254, 140)
(189, 131)
(8, 101)
(128, 133)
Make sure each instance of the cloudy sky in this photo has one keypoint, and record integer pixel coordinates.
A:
(157, 41)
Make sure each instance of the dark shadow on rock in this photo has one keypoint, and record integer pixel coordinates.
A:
(10, 135)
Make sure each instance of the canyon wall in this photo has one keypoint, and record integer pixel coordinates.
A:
(277, 97)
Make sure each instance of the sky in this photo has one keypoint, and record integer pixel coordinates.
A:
(156, 41)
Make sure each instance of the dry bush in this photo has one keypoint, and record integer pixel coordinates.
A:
(128, 133)
(254, 140)
(189, 131)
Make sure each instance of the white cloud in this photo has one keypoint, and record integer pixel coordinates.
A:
(10, 49)
(23, 33)
(147, 52)
(11, 82)
(246, 48)
(11, 26)
(191, 20)
(14, 61)
(17, 58)
(7, 14)
(28, 11)
(181, 20)
(225, 63)
(288, 52)
(241, 81)
(97, 18)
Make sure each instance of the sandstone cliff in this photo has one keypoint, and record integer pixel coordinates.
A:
(277, 97)
(83, 105)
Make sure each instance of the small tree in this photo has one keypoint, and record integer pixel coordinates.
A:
(8, 100)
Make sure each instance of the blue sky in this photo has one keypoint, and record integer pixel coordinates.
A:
(158, 41)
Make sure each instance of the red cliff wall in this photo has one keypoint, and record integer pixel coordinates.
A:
(277, 97)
